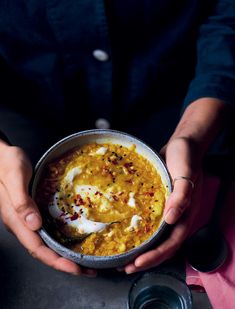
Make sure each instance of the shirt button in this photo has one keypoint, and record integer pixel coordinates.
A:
(100, 55)
(102, 123)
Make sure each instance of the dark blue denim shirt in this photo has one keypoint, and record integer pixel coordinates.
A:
(158, 54)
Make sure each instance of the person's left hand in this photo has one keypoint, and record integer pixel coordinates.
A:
(182, 205)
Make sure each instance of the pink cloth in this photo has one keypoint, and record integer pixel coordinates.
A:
(219, 285)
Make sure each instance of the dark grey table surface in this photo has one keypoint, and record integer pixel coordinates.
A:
(26, 283)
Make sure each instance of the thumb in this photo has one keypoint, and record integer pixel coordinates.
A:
(179, 200)
(16, 183)
(181, 165)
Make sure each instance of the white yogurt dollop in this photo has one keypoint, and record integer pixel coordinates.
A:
(72, 174)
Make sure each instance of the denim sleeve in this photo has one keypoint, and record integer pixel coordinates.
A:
(215, 69)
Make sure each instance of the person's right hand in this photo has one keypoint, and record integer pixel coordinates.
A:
(20, 214)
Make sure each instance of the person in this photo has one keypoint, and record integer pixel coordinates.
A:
(68, 66)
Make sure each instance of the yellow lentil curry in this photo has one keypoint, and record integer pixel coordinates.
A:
(105, 199)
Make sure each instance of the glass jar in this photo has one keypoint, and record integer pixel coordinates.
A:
(158, 290)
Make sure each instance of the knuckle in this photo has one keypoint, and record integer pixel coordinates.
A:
(160, 250)
(33, 254)
(8, 157)
(15, 158)
(10, 154)
(21, 206)
(36, 252)
(15, 151)
(55, 265)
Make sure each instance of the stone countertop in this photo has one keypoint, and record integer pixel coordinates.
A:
(26, 283)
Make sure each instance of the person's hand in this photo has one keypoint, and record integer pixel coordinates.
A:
(19, 212)
(182, 205)
(196, 130)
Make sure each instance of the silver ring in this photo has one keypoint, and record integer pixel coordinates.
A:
(184, 178)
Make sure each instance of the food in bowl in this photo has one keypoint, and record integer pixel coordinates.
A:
(103, 199)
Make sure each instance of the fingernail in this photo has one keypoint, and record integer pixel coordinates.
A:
(172, 215)
(130, 270)
(138, 263)
(33, 221)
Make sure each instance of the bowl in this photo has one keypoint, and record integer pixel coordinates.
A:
(101, 136)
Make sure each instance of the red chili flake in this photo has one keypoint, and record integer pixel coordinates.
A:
(149, 193)
(114, 162)
(115, 198)
(98, 193)
(89, 201)
(147, 228)
(121, 193)
(80, 201)
(129, 181)
(128, 165)
(74, 217)
(132, 171)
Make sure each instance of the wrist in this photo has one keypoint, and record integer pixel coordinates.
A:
(201, 122)
(184, 157)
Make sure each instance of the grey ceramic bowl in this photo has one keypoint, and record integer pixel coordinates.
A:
(101, 136)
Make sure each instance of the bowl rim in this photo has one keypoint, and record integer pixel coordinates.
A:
(80, 256)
